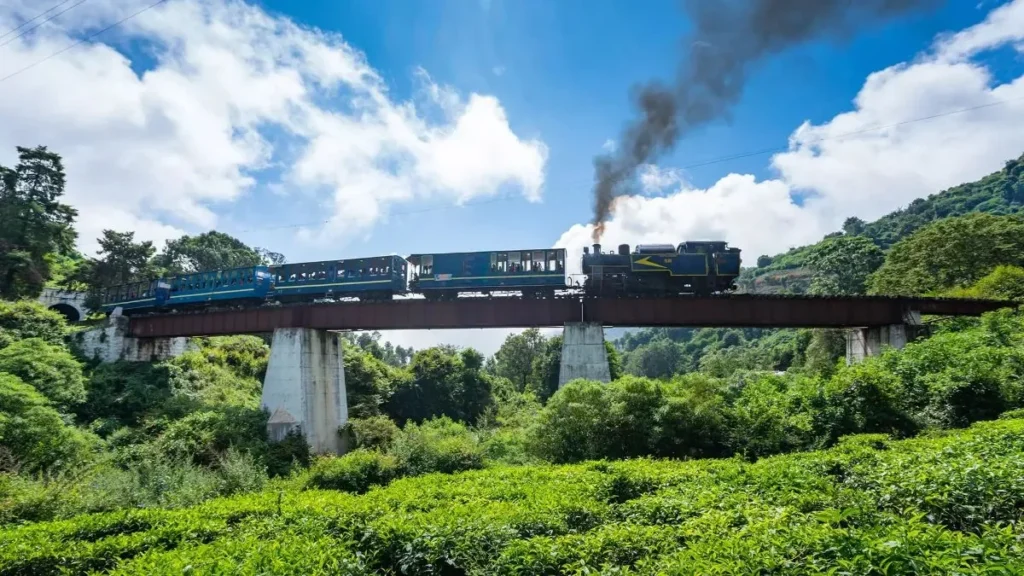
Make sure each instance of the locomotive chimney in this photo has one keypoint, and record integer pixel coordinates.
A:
(586, 249)
(623, 249)
(597, 248)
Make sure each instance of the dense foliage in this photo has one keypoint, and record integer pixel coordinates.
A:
(955, 252)
(948, 504)
(999, 193)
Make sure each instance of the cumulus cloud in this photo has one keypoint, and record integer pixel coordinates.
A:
(865, 162)
(655, 179)
(220, 90)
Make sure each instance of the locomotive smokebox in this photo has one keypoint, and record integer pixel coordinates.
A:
(623, 249)
(597, 248)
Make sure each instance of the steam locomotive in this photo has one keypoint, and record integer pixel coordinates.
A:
(661, 269)
(650, 270)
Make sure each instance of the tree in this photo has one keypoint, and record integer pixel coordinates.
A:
(950, 253)
(445, 382)
(546, 369)
(764, 260)
(119, 260)
(516, 357)
(853, 226)
(655, 360)
(210, 251)
(33, 223)
(842, 264)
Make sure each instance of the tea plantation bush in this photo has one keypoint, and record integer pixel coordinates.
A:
(951, 503)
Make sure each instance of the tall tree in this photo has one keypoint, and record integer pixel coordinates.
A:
(33, 222)
(842, 264)
(209, 251)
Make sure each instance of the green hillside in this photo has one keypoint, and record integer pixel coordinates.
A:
(1001, 192)
(943, 505)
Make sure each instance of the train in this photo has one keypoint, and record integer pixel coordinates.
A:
(661, 270)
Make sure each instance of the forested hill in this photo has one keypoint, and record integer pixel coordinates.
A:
(1001, 192)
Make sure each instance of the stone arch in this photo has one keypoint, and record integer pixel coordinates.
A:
(70, 312)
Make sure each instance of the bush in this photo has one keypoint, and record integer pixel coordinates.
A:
(245, 356)
(373, 433)
(50, 369)
(944, 505)
(863, 398)
(203, 436)
(288, 455)
(127, 392)
(439, 445)
(33, 432)
(25, 319)
(573, 426)
(356, 471)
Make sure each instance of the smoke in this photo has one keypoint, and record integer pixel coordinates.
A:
(728, 39)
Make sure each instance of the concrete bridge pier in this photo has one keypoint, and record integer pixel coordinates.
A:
(862, 343)
(304, 388)
(583, 353)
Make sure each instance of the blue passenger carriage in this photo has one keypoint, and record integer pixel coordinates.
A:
(248, 285)
(534, 273)
(134, 297)
(377, 278)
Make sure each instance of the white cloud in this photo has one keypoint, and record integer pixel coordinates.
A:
(865, 162)
(609, 145)
(230, 90)
(654, 179)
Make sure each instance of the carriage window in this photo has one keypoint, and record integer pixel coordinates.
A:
(502, 262)
(515, 262)
(428, 265)
(560, 262)
(552, 260)
(494, 262)
(538, 261)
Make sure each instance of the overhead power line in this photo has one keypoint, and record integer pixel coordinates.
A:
(710, 162)
(31, 20)
(27, 30)
(81, 41)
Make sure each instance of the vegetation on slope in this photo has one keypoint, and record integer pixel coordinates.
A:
(948, 504)
(999, 193)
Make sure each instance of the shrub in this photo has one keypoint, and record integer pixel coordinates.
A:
(33, 431)
(51, 370)
(288, 455)
(573, 426)
(863, 398)
(126, 391)
(25, 319)
(356, 471)
(439, 445)
(203, 436)
(373, 433)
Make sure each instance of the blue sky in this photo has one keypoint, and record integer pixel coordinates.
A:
(264, 120)
(565, 70)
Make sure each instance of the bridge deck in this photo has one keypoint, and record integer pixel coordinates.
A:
(746, 310)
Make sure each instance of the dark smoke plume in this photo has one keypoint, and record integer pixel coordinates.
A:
(728, 39)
